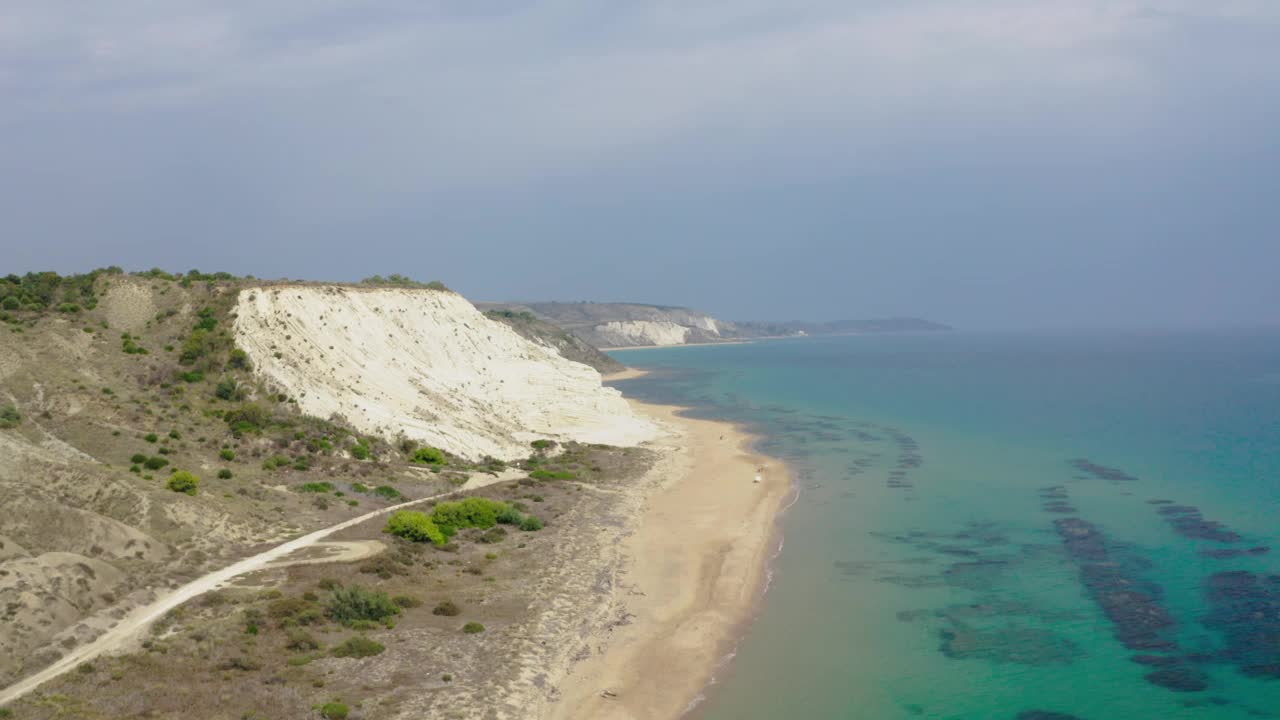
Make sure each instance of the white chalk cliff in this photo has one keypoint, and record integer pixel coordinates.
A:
(622, 333)
(426, 364)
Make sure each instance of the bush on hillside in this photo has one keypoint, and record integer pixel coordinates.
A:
(184, 482)
(472, 628)
(358, 647)
(248, 418)
(473, 512)
(427, 456)
(354, 603)
(155, 463)
(446, 608)
(334, 710)
(229, 389)
(552, 475)
(10, 417)
(415, 526)
(531, 523)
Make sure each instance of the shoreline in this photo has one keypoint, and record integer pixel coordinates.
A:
(696, 565)
(680, 345)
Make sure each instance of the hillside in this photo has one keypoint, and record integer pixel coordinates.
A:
(426, 365)
(528, 326)
(154, 427)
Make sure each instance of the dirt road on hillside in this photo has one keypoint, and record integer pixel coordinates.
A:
(142, 616)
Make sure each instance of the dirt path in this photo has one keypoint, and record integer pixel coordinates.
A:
(142, 616)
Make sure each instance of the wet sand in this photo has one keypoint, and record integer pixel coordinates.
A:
(694, 570)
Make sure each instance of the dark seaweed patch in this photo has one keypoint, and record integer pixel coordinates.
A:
(1138, 619)
(1228, 553)
(1245, 608)
(1188, 522)
(1101, 472)
(1179, 679)
(1022, 646)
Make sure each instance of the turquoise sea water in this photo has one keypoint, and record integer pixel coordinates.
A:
(991, 526)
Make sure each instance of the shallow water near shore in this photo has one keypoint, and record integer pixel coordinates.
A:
(996, 524)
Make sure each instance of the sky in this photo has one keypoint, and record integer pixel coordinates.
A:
(986, 163)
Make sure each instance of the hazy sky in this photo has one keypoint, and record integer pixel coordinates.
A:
(982, 162)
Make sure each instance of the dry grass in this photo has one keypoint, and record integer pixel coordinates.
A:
(204, 661)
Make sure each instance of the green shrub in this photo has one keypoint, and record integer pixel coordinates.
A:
(241, 663)
(406, 601)
(138, 458)
(358, 646)
(193, 376)
(427, 456)
(350, 604)
(292, 611)
(238, 359)
(175, 435)
(247, 419)
(224, 474)
(155, 463)
(360, 451)
(227, 454)
(300, 639)
(276, 461)
(552, 475)
(472, 628)
(508, 515)
(359, 487)
(473, 512)
(415, 526)
(228, 389)
(446, 608)
(184, 482)
(9, 417)
(316, 487)
(335, 710)
(543, 444)
(151, 437)
(387, 492)
(531, 523)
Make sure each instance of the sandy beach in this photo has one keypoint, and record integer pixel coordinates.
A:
(693, 571)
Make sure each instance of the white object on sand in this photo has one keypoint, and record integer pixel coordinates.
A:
(758, 478)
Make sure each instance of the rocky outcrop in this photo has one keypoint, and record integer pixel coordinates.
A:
(428, 365)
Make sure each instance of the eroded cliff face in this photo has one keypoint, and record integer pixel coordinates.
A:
(614, 325)
(622, 333)
(426, 364)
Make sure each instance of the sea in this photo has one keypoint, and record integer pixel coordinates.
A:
(1001, 526)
